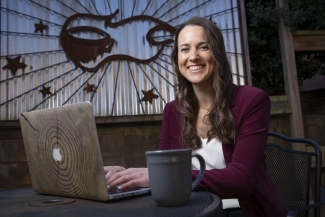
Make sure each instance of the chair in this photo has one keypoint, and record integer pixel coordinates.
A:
(290, 171)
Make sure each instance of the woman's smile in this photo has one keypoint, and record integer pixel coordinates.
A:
(195, 68)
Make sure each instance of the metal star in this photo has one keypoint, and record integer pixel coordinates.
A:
(14, 64)
(40, 27)
(90, 88)
(148, 95)
(45, 91)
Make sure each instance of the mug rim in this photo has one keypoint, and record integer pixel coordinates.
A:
(168, 151)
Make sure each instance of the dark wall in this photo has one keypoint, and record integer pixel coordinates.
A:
(121, 144)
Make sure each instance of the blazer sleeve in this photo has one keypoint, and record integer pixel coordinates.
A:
(245, 161)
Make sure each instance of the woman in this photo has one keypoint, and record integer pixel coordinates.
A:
(225, 123)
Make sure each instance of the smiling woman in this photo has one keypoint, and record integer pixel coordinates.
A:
(204, 82)
(225, 123)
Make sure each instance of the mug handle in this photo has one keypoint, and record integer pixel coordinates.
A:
(110, 44)
(202, 170)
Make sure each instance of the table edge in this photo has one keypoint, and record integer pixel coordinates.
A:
(212, 206)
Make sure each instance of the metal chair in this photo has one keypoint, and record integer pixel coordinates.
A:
(290, 170)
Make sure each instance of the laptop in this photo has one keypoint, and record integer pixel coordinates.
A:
(64, 155)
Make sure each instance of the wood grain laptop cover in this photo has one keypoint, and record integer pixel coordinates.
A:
(69, 132)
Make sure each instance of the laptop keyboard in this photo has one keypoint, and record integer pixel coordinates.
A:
(116, 190)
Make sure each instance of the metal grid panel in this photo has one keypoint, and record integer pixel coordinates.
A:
(118, 84)
(290, 171)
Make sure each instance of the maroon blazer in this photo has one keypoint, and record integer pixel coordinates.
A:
(244, 176)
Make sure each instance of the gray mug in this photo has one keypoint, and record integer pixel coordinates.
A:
(170, 175)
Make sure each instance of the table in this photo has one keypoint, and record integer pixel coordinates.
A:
(18, 203)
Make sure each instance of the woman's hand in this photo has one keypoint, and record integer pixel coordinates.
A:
(132, 177)
(111, 170)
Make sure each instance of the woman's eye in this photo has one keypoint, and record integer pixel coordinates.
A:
(184, 49)
(206, 47)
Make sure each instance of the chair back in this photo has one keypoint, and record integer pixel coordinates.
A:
(290, 171)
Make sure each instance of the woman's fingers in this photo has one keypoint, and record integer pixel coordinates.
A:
(140, 182)
(120, 178)
(108, 175)
(111, 170)
(132, 177)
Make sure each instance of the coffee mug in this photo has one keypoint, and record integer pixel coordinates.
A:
(170, 175)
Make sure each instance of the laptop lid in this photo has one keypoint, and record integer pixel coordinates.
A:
(64, 155)
(63, 151)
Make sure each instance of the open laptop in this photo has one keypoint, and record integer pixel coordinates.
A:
(64, 155)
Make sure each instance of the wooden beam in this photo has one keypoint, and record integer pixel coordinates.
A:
(309, 40)
(291, 79)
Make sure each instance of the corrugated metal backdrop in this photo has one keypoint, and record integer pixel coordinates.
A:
(118, 84)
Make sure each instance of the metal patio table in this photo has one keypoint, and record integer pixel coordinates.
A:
(26, 202)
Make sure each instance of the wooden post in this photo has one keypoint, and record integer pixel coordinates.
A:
(244, 34)
(291, 79)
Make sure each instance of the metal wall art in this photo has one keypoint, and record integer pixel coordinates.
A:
(114, 53)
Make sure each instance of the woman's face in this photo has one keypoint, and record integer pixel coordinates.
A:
(195, 61)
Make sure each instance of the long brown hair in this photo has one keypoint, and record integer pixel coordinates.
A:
(220, 116)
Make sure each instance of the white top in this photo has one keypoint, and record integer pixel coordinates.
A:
(213, 155)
